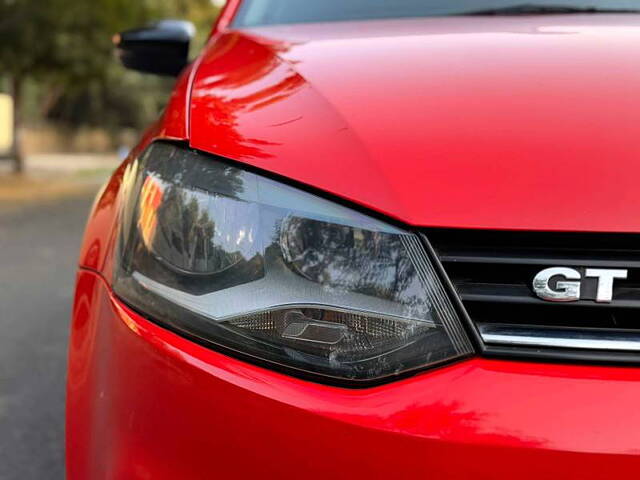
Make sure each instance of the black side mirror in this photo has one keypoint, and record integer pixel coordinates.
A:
(162, 48)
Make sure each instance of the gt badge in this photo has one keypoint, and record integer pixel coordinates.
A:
(562, 284)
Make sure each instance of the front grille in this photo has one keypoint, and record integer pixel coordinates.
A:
(493, 271)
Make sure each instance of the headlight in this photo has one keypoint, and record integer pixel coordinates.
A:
(273, 273)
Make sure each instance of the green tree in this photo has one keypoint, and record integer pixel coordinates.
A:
(27, 36)
(65, 47)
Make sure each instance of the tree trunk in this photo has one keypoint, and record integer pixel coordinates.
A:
(53, 95)
(16, 150)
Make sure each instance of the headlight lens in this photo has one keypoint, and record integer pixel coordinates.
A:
(275, 273)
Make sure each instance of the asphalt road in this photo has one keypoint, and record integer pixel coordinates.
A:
(39, 245)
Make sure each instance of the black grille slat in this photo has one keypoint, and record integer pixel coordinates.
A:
(492, 272)
(540, 260)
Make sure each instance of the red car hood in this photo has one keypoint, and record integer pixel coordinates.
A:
(509, 123)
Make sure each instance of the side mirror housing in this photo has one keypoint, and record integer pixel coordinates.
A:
(161, 48)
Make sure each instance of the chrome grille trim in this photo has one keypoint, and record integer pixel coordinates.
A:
(585, 339)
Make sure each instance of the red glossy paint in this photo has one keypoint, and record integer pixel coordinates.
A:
(100, 232)
(512, 123)
(145, 403)
(520, 123)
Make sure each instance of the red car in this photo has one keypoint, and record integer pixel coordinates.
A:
(370, 239)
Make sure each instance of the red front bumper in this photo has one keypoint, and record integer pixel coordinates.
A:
(145, 403)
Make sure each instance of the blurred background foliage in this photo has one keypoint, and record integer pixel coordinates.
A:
(57, 61)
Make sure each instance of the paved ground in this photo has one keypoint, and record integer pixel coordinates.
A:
(41, 225)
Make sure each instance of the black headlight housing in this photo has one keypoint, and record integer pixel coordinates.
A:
(255, 267)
